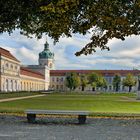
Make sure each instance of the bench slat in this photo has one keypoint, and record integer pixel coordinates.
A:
(55, 112)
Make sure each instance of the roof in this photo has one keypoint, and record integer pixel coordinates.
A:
(6, 53)
(31, 73)
(102, 72)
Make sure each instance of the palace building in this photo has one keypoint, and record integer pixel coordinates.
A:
(57, 78)
(17, 77)
(14, 77)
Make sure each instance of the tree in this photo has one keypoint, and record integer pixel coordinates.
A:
(83, 81)
(107, 18)
(72, 81)
(93, 78)
(116, 82)
(129, 81)
(96, 80)
(105, 83)
(101, 82)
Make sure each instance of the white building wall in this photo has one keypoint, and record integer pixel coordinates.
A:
(10, 74)
(57, 84)
(43, 70)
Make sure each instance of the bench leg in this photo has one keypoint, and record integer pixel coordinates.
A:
(82, 119)
(31, 118)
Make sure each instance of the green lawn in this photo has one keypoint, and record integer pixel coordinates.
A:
(97, 104)
(13, 95)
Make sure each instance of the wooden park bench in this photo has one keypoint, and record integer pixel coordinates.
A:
(31, 114)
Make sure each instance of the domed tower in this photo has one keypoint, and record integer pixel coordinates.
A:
(46, 57)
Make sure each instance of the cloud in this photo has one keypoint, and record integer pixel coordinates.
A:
(123, 54)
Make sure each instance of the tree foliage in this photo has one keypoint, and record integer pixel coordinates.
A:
(97, 80)
(129, 81)
(83, 81)
(107, 18)
(101, 82)
(72, 81)
(116, 82)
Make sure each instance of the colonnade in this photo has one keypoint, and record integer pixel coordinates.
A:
(9, 85)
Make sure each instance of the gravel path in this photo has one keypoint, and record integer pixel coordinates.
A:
(19, 98)
(17, 128)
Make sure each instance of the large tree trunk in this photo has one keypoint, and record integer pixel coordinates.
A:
(83, 88)
(93, 89)
(130, 88)
(117, 87)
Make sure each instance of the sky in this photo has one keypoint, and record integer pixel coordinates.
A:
(123, 54)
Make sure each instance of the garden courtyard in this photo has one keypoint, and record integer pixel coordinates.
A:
(108, 121)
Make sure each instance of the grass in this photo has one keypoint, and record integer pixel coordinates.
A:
(101, 104)
(13, 95)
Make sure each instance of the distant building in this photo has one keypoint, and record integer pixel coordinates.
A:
(58, 77)
(17, 77)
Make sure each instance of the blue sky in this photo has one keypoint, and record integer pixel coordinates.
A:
(123, 54)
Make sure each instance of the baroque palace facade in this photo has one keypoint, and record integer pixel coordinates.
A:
(17, 77)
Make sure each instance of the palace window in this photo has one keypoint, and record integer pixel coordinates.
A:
(50, 65)
(7, 85)
(110, 79)
(57, 79)
(61, 87)
(7, 65)
(11, 66)
(15, 67)
(110, 87)
(61, 79)
(53, 79)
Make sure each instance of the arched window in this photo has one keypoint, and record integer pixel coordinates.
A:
(15, 86)
(24, 86)
(11, 66)
(21, 86)
(57, 79)
(15, 67)
(50, 65)
(27, 87)
(2, 69)
(30, 86)
(7, 85)
(7, 65)
(11, 83)
(53, 79)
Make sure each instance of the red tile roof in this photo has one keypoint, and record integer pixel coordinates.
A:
(31, 73)
(102, 72)
(7, 54)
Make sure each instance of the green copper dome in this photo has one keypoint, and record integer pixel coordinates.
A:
(46, 53)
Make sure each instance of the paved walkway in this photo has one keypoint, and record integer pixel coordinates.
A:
(124, 98)
(19, 98)
(17, 128)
